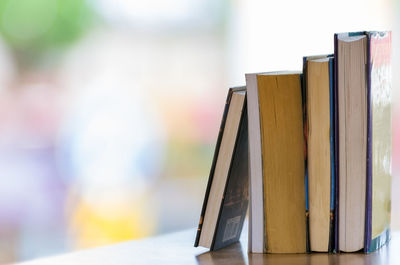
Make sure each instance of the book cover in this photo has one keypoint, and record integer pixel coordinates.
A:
(379, 153)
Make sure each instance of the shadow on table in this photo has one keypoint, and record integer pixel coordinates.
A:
(236, 255)
(232, 255)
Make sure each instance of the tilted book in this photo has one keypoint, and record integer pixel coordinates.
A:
(226, 199)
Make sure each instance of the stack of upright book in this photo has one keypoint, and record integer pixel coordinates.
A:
(310, 154)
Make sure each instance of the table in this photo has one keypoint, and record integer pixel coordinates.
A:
(177, 248)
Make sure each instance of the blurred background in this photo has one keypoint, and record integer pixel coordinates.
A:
(109, 110)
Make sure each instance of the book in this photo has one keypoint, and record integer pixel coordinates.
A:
(227, 194)
(314, 149)
(319, 102)
(350, 57)
(277, 168)
(363, 84)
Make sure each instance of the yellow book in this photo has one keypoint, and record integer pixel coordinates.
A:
(277, 171)
(318, 74)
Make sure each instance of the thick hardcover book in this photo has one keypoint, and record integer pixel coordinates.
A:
(378, 130)
(232, 207)
(318, 98)
(351, 60)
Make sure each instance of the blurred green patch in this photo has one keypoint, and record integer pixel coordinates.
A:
(188, 159)
(33, 28)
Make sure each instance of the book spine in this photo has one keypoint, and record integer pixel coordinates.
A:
(305, 131)
(214, 161)
(336, 124)
(331, 247)
(368, 199)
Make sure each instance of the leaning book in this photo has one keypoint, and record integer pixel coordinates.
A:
(227, 194)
